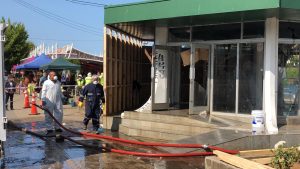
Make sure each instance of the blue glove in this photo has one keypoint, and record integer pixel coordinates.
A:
(100, 130)
(44, 103)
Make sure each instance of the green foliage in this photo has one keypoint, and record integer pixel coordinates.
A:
(292, 72)
(285, 157)
(16, 46)
(293, 61)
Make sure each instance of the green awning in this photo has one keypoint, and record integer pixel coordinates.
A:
(162, 9)
(140, 19)
(60, 64)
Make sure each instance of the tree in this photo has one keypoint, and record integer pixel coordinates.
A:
(74, 61)
(16, 46)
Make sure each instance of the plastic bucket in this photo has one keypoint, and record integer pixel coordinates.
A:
(258, 122)
(258, 129)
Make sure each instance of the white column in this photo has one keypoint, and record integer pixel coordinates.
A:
(161, 36)
(270, 75)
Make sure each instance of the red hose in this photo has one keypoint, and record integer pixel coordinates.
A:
(157, 144)
(161, 154)
(97, 136)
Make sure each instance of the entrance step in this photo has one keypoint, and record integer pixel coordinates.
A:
(174, 127)
(293, 124)
(169, 119)
(181, 129)
(239, 118)
(165, 127)
(150, 134)
(225, 123)
(293, 120)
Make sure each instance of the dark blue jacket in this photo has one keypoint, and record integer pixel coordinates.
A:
(8, 86)
(93, 93)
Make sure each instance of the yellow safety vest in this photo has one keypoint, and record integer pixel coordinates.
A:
(80, 83)
(88, 80)
(30, 89)
(101, 80)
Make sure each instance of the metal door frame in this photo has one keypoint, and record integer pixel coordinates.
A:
(192, 77)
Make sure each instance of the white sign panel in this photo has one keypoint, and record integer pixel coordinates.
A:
(161, 76)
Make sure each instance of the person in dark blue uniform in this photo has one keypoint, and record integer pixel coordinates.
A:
(94, 95)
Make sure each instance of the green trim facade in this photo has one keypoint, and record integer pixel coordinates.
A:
(152, 10)
(292, 4)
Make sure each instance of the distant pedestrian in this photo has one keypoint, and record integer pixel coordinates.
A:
(31, 88)
(10, 89)
(94, 95)
(43, 79)
(79, 83)
(52, 100)
(63, 79)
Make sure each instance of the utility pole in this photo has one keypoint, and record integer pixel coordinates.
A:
(3, 119)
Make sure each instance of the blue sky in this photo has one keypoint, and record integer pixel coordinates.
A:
(41, 29)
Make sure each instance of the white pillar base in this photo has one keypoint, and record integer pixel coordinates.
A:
(270, 75)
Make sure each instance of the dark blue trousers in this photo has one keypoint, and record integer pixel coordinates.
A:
(92, 111)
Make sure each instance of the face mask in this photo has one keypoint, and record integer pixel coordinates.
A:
(95, 82)
(55, 78)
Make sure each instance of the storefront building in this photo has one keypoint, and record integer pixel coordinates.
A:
(223, 57)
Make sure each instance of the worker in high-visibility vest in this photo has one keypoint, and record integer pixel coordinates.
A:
(88, 79)
(79, 83)
(101, 79)
(31, 88)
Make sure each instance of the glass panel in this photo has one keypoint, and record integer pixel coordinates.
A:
(179, 34)
(251, 77)
(217, 32)
(224, 78)
(288, 80)
(201, 56)
(179, 77)
(289, 30)
(185, 74)
(254, 30)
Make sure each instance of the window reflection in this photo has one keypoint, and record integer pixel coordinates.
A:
(250, 77)
(290, 30)
(179, 34)
(217, 32)
(288, 80)
(224, 78)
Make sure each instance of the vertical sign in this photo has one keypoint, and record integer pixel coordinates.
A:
(161, 76)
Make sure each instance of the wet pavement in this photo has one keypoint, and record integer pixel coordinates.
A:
(26, 151)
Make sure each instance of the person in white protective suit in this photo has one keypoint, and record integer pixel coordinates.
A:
(52, 100)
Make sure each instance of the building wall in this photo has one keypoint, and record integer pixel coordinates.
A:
(126, 72)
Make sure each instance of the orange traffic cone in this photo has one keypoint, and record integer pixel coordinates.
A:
(33, 107)
(26, 100)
